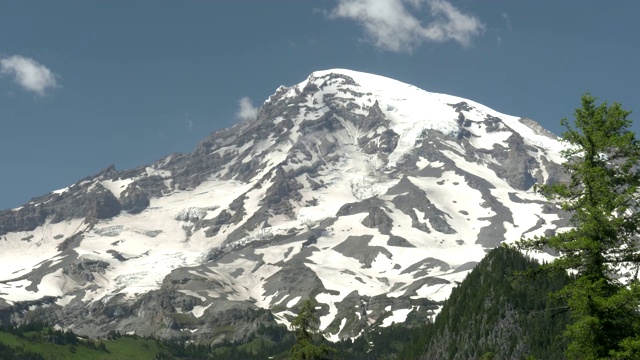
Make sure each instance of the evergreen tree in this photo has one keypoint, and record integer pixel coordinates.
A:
(601, 249)
(305, 325)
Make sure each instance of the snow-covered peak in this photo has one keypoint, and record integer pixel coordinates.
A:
(353, 187)
(412, 111)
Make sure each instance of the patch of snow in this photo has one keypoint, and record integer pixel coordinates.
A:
(293, 302)
(199, 310)
(117, 186)
(397, 316)
(280, 317)
(192, 294)
(336, 337)
(165, 174)
(60, 191)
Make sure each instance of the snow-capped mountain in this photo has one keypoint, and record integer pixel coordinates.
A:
(371, 195)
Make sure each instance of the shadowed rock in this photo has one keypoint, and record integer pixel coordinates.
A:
(358, 248)
(133, 199)
(378, 218)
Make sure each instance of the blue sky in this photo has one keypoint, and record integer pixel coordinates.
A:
(85, 84)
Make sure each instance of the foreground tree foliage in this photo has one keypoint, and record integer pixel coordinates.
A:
(601, 250)
(305, 325)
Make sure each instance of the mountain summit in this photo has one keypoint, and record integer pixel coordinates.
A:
(369, 194)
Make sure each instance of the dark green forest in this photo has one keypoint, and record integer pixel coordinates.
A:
(497, 312)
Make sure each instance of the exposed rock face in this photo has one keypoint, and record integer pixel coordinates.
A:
(358, 248)
(102, 204)
(133, 199)
(95, 203)
(82, 271)
(372, 196)
(25, 219)
(379, 219)
(516, 163)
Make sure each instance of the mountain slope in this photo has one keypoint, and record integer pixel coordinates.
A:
(369, 194)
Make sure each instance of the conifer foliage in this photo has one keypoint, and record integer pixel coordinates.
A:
(305, 325)
(601, 249)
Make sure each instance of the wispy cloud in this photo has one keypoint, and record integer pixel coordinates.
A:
(28, 74)
(187, 120)
(394, 25)
(507, 20)
(246, 110)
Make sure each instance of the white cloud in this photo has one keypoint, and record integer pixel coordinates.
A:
(392, 25)
(246, 110)
(28, 73)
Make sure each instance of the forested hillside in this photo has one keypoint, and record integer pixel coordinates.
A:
(497, 314)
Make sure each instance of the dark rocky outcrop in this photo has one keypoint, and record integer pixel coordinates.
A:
(82, 271)
(516, 164)
(411, 197)
(358, 248)
(378, 218)
(133, 199)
